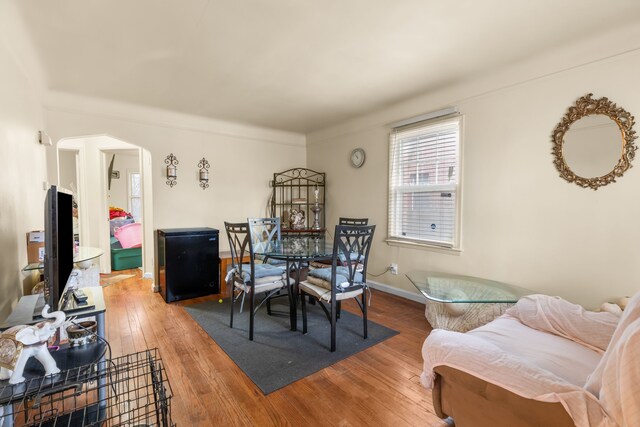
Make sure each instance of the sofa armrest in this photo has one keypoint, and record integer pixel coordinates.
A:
(571, 321)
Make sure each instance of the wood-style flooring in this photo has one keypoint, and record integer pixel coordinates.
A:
(377, 387)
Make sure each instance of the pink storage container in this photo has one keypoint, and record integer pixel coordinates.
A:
(130, 235)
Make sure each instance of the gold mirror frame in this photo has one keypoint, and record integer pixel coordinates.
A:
(583, 107)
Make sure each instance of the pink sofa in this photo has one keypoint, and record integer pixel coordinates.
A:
(544, 362)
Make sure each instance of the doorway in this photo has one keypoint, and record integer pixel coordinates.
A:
(124, 201)
(111, 176)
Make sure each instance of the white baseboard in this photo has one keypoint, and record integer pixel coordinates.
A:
(154, 287)
(395, 291)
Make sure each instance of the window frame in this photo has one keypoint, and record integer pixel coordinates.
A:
(395, 208)
(130, 195)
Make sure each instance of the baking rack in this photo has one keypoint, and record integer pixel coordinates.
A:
(131, 390)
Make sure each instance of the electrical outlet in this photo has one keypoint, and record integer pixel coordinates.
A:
(393, 268)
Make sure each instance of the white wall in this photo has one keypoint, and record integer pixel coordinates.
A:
(521, 223)
(67, 161)
(242, 158)
(23, 167)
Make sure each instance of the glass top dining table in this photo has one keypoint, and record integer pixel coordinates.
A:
(295, 251)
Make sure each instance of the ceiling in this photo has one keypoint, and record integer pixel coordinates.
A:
(297, 65)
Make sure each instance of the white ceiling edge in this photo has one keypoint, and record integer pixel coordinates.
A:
(602, 47)
(80, 104)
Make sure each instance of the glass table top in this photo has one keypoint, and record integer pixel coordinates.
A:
(452, 288)
(84, 253)
(296, 248)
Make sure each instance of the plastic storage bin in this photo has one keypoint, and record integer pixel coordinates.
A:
(119, 222)
(130, 235)
(124, 259)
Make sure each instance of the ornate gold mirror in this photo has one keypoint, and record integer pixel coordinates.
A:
(593, 143)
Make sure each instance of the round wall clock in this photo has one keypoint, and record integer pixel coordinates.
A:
(357, 157)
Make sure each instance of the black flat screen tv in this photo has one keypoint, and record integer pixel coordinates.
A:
(58, 244)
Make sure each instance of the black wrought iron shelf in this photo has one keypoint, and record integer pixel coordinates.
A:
(303, 190)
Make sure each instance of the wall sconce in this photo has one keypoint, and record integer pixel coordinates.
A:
(172, 170)
(204, 173)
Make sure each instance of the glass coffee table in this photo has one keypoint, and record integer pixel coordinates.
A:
(462, 303)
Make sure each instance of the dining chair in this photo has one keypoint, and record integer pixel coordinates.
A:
(262, 231)
(353, 221)
(341, 221)
(249, 279)
(330, 286)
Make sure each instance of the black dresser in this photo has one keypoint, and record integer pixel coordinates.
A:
(187, 262)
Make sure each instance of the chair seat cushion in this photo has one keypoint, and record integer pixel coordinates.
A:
(261, 270)
(327, 264)
(324, 294)
(341, 275)
(266, 284)
(271, 261)
(319, 264)
(353, 256)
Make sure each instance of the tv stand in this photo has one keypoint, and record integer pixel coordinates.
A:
(23, 313)
(71, 306)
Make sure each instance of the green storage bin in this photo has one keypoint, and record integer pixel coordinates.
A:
(124, 259)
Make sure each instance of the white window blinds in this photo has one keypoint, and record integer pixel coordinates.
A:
(423, 182)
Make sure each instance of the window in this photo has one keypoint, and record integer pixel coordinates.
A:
(135, 199)
(424, 185)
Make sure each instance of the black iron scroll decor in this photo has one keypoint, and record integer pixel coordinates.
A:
(172, 170)
(203, 165)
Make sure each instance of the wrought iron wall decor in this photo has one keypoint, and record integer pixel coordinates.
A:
(203, 165)
(588, 149)
(172, 170)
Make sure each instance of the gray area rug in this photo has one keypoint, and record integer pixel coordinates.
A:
(278, 356)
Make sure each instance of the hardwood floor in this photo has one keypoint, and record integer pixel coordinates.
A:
(377, 387)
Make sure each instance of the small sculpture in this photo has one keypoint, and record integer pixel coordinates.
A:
(19, 343)
(296, 219)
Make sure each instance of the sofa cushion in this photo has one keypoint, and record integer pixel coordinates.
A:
(564, 358)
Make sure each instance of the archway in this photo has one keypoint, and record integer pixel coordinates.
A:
(93, 155)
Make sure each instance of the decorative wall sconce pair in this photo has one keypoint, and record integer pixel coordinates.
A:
(172, 171)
